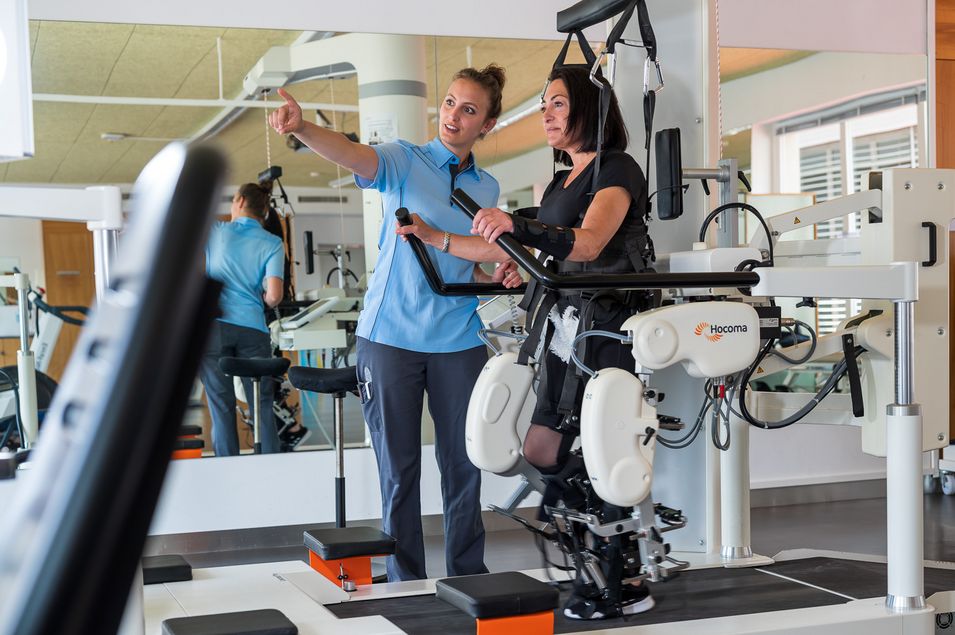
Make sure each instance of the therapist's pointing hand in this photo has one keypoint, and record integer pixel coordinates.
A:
(287, 118)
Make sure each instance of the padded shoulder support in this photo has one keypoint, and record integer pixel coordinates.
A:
(587, 13)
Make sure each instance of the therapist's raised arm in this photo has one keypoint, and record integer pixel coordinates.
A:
(334, 146)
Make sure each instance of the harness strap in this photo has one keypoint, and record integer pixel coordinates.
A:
(538, 328)
(569, 405)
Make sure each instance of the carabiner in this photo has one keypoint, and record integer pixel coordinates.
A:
(595, 68)
(646, 76)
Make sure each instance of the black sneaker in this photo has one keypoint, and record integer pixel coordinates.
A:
(295, 438)
(634, 600)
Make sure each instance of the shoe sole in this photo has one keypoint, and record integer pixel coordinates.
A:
(642, 606)
(301, 439)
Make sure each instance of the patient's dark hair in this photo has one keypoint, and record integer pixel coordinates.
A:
(256, 198)
(582, 121)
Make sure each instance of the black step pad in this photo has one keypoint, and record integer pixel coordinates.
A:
(189, 431)
(335, 543)
(497, 594)
(261, 622)
(188, 444)
(170, 568)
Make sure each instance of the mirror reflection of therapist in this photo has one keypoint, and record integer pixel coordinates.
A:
(249, 262)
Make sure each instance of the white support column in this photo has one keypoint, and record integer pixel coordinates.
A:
(392, 94)
(392, 104)
(734, 493)
(903, 499)
(26, 369)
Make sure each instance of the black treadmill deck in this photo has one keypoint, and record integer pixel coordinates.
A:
(693, 595)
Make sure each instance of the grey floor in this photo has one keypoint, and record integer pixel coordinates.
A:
(856, 526)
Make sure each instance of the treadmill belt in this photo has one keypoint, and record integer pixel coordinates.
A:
(692, 595)
(857, 579)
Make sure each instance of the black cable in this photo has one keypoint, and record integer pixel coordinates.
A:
(682, 186)
(744, 206)
(795, 332)
(838, 372)
(686, 440)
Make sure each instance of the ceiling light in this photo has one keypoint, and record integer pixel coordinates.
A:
(122, 136)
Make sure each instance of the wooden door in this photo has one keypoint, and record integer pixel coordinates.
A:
(945, 146)
(68, 258)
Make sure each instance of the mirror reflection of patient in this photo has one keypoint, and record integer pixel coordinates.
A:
(246, 259)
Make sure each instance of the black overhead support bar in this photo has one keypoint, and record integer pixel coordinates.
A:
(552, 280)
(587, 13)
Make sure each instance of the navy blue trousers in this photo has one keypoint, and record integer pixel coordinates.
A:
(399, 379)
(230, 340)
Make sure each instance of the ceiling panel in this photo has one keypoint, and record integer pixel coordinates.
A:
(182, 62)
(42, 167)
(59, 122)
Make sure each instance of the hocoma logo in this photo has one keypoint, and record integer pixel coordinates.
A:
(715, 332)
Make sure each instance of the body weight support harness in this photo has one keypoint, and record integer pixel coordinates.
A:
(586, 13)
(554, 240)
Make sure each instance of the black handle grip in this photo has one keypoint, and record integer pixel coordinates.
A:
(431, 274)
(852, 370)
(932, 243)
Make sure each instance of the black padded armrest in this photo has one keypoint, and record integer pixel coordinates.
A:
(497, 594)
(261, 622)
(169, 568)
(189, 444)
(335, 543)
(189, 431)
(324, 380)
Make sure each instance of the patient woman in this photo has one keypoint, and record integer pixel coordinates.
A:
(586, 225)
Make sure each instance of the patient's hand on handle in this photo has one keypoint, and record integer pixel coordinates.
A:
(490, 223)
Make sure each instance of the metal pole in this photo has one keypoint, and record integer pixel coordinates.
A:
(104, 255)
(728, 233)
(26, 367)
(256, 392)
(903, 429)
(734, 503)
(339, 459)
(23, 307)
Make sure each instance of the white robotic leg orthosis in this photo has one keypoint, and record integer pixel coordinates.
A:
(618, 437)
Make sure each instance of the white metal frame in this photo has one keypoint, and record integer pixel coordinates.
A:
(100, 207)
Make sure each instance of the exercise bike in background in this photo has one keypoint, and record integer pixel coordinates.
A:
(48, 320)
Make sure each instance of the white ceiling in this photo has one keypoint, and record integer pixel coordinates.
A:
(100, 60)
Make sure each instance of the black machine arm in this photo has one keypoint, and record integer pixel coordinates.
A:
(431, 274)
(587, 13)
(552, 280)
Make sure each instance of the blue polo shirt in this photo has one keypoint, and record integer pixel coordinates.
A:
(241, 255)
(401, 310)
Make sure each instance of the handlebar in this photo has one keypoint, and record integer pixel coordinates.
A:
(439, 286)
(580, 281)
